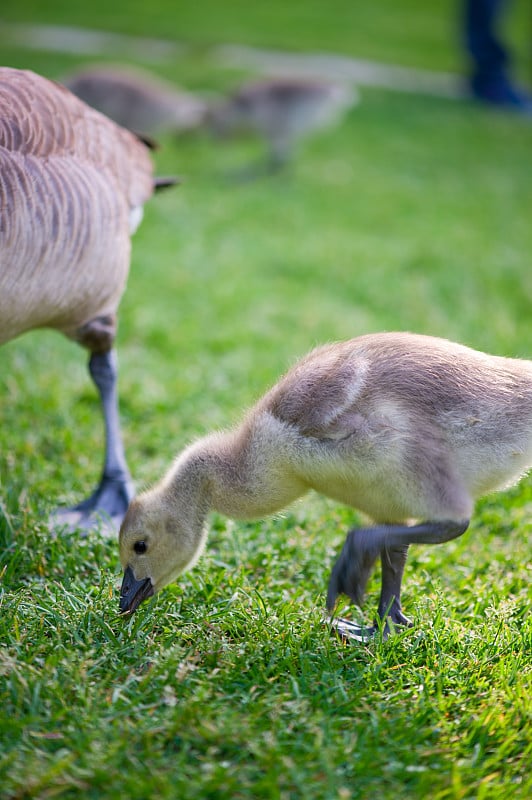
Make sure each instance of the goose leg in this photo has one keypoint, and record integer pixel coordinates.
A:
(115, 490)
(360, 551)
(393, 562)
(280, 154)
(277, 159)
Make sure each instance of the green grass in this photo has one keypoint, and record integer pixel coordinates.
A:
(414, 214)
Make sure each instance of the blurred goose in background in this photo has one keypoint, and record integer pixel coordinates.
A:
(282, 111)
(408, 429)
(72, 188)
(137, 100)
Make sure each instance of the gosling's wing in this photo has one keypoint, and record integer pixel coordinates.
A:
(401, 376)
(320, 394)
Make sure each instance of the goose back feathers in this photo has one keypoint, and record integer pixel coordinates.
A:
(72, 187)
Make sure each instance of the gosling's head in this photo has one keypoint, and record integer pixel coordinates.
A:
(157, 544)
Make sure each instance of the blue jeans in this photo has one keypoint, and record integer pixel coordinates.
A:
(489, 56)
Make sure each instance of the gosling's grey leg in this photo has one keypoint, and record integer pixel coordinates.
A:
(393, 562)
(115, 490)
(361, 549)
(351, 572)
(278, 157)
(274, 162)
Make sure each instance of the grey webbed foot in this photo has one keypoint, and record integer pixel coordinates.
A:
(104, 509)
(357, 558)
(350, 631)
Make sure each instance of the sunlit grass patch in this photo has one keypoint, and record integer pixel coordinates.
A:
(414, 214)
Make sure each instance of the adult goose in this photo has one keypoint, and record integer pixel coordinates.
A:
(72, 188)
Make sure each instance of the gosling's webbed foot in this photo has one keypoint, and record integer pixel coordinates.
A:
(350, 631)
(350, 575)
(392, 621)
(103, 510)
(398, 619)
(359, 553)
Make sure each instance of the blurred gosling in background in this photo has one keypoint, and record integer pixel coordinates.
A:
(137, 100)
(281, 111)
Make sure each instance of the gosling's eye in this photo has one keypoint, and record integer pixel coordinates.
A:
(140, 548)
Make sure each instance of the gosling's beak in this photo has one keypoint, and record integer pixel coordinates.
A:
(133, 592)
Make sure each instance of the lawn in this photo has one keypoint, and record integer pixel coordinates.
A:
(414, 214)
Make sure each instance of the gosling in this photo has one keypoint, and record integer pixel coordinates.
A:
(138, 100)
(282, 111)
(408, 429)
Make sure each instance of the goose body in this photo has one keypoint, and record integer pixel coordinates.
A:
(137, 100)
(72, 188)
(281, 111)
(409, 429)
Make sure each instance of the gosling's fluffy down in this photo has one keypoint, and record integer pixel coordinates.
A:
(136, 99)
(281, 111)
(409, 429)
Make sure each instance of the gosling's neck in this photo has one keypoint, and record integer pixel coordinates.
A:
(233, 473)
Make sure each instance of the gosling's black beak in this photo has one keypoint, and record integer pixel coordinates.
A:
(133, 592)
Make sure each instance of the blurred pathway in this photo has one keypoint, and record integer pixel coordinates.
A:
(343, 68)
(83, 41)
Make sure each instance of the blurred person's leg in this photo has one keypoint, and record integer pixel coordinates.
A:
(489, 78)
